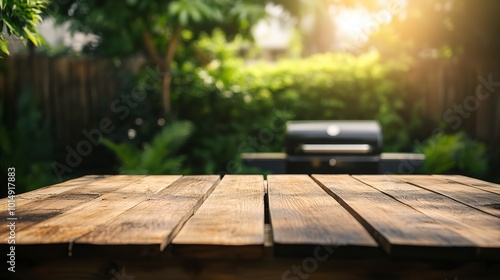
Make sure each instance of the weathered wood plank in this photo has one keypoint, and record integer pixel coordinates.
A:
(476, 198)
(147, 228)
(63, 229)
(482, 229)
(476, 183)
(304, 216)
(401, 230)
(51, 201)
(230, 223)
(41, 193)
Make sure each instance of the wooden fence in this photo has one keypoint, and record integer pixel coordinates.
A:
(72, 92)
(75, 93)
(454, 93)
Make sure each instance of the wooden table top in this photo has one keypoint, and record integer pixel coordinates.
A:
(245, 216)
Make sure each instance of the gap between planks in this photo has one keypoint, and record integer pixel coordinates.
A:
(304, 218)
(67, 227)
(147, 228)
(472, 182)
(401, 230)
(480, 228)
(45, 203)
(479, 199)
(229, 224)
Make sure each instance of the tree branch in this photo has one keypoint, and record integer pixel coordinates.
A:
(167, 78)
(172, 48)
(151, 49)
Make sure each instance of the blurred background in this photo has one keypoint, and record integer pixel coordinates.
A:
(187, 86)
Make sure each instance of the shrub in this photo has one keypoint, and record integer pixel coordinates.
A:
(335, 86)
(239, 108)
(454, 153)
(27, 145)
(159, 157)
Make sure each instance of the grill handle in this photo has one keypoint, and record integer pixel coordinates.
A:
(336, 148)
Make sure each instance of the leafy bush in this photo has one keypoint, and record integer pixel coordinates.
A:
(454, 153)
(243, 108)
(335, 86)
(27, 145)
(159, 157)
(20, 18)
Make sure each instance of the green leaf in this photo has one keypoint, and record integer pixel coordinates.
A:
(32, 37)
(183, 17)
(195, 14)
(165, 145)
(9, 26)
(4, 46)
(128, 155)
(174, 8)
(160, 157)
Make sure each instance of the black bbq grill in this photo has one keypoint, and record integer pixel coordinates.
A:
(351, 147)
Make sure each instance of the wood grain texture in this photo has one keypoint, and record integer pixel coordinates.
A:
(480, 228)
(483, 200)
(303, 216)
(80, 220)
(41, 193)
(147, 228)
(48, 202)
(476, 183)
(401, 230)
(229, 224)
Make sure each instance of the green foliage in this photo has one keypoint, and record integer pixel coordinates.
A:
(196, 11)
(155, 27)
(240, 108)
(20, 18)
(318, 78)
(159, 157)
(27, 145)
(334, 87)
(123, 25)
(454, 153)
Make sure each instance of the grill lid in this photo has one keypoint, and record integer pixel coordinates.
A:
(333, 137)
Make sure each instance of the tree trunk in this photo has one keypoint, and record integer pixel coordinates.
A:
(167, 77)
